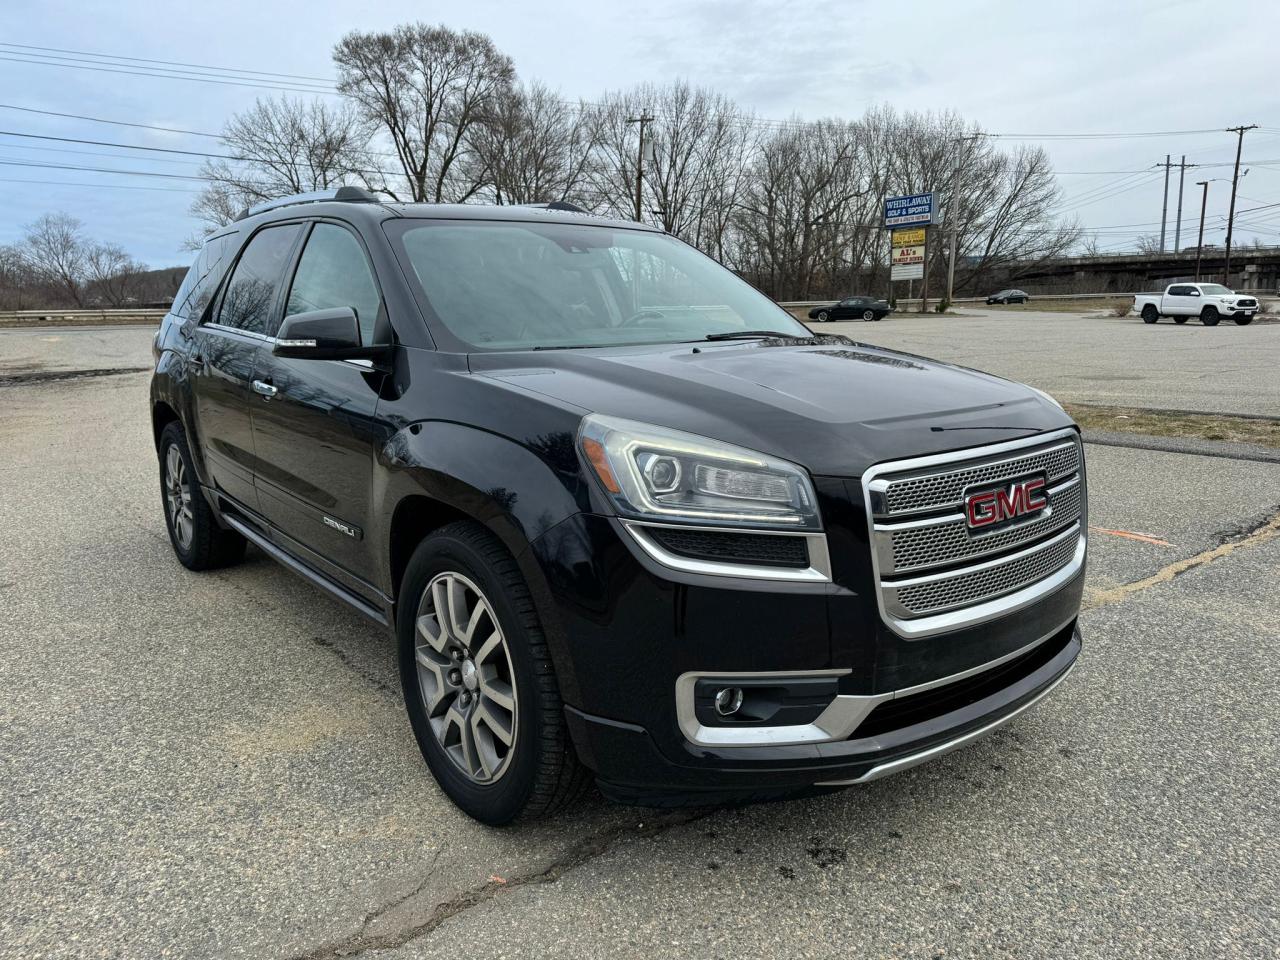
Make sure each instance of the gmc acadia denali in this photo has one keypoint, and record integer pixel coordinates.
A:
(626, 518)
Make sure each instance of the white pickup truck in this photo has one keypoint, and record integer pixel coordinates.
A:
(1208, 301)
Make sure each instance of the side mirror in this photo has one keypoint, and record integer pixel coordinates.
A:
(1193, 293)
(332, 334)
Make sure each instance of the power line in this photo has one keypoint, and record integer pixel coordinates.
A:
(119, 123)
(171, 63)
(101, 186)
(139, 73)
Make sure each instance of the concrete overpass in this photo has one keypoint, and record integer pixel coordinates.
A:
(1255, 269)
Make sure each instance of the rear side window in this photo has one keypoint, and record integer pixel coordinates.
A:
(251, 293)
(1179, 291)
(202, 279)
(334, 272)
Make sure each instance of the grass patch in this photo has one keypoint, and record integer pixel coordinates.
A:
(1161, 423)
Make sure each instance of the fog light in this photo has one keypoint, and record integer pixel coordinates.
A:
(728, 701)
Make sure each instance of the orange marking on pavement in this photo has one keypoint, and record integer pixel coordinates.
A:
(1130, 535)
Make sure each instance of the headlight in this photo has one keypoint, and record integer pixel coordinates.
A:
(653, 473)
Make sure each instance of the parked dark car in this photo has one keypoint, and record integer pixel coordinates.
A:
(854, 308)
(627, 520)
(1009, 296)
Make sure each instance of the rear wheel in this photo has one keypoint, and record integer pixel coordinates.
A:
(868, 315)
(1150, 314)
(1243, 321)
(478, 681)
(1209, 316)
(198, 541)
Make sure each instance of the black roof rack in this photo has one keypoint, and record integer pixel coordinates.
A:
(340, 194)
(561, 205)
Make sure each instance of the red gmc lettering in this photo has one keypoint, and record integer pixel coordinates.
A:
(993, 506)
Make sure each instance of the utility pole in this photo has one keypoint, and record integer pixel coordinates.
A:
(953, 216)
(1177, 225)
(1164, 210)
(644, 119)
(1235, 179)
(1204, 197)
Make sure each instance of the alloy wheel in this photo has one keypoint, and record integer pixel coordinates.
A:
(465, 677)
(177, 495)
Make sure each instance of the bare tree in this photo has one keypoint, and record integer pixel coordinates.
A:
(55, 250)
(1148, 244)
(284, 146)
(533, 148)
(112, 274)
(427, 88)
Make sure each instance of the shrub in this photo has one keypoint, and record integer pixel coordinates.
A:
(1121, 308)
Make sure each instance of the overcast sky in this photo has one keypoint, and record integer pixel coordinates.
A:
(1012, 66)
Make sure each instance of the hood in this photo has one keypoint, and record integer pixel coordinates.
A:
(830, 404)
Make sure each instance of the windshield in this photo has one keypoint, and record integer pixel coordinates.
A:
(501, 285)
(1213, 289)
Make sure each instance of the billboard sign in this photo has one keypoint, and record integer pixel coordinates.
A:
(915, 210)
(907, 248)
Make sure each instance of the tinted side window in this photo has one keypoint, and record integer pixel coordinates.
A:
(334, 272)
(247, 303)
(1179, 291)
(202, 279)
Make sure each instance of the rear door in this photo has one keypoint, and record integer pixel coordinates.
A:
(225, 348)
(315, 436)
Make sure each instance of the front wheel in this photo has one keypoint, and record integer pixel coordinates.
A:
(1243, 320)
(479, 685)
(198, 541)
(868, 315)
(823, 316)
(1209, 317)
(1150, 314)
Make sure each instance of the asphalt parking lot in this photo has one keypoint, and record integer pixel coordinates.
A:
(218, 765)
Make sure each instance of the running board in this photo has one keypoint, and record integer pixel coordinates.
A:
(297, 566)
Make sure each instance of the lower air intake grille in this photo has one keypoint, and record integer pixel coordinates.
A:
(730, 547)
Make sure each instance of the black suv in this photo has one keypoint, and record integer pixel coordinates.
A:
(625, 517)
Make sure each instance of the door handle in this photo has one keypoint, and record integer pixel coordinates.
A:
(195, 360)
(264, 389)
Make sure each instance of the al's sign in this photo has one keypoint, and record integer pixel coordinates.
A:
(907, 248)
(908, 211)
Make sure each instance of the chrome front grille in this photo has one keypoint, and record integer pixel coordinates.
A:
(934, 573)
(945, 488)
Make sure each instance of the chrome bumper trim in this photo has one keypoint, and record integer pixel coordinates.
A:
(839, 721)
(941, 749)
(818, 571)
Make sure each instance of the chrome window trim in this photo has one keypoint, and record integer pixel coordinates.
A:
(818, 571)
(840, 719)
(915, 759)
(263, 338)
(918, 628)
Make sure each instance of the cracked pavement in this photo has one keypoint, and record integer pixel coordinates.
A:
(218, 765)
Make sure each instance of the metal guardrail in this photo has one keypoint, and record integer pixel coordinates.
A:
(1039, 296)
(60, 317)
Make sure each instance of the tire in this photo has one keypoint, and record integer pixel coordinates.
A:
(1243, 321)
(198, 540)
(1210, 317)
(823, 316)
(869, 315)
(1150, 314)
(1180, 320)
(495, 782)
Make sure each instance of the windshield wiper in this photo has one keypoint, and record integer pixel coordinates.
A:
(751, 335)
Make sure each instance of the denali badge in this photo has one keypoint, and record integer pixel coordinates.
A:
(990, 507)
(341, 527)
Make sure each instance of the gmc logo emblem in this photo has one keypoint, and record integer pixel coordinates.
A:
(990, 507)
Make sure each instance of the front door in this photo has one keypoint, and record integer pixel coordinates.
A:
(315, 437)
(221, 363)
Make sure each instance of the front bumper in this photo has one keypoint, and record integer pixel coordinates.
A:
(624, 632)
(631, 767)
